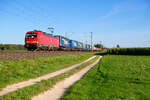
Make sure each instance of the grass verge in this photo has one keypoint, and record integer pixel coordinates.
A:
(28, 92)
(114, 78)
(24, 69)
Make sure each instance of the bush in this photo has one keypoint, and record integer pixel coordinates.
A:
(129, 51)
(11, 47)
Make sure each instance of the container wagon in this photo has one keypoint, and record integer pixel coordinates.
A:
(64, 43)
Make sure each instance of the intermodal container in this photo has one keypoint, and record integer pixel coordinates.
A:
(80, 45)
(64, 42)
(88, 47)
(74, 44)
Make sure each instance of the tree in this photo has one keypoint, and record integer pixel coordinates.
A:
(99, 45)
(2, 47)
(8, 46)
(118, 46)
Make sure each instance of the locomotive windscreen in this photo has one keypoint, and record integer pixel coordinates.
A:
(31, 35)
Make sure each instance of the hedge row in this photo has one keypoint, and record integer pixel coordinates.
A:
(11, 47)
(129, 51)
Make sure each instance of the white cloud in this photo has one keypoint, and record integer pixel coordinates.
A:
(125, 6)
(115, 10)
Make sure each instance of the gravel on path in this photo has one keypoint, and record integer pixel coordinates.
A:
(16, 86)
(59, 89)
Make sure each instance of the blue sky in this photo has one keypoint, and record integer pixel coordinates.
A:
(123, 22)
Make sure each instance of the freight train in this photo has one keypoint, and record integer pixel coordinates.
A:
(38, 40)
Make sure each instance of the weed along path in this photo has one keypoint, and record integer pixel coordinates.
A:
(14, 87)
(58, 90)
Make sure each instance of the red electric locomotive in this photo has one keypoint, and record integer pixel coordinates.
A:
(35, 40)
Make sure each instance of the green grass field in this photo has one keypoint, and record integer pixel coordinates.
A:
(24, 69)
(28, 92)
(116, 77)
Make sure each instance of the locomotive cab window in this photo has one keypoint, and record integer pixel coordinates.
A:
(29, 35)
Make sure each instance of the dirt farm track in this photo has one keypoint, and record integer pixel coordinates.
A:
(13, 55)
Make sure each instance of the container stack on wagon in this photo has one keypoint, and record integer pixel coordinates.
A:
(40, 40)
(74, 45)
(64, 43)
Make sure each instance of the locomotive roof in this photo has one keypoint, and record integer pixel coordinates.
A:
(48, 34)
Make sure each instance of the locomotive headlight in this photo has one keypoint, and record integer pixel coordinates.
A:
(35, 41)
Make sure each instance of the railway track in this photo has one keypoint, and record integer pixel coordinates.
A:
(13, 55)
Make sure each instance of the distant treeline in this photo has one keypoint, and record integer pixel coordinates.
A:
(129, 51)
(12, 47)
